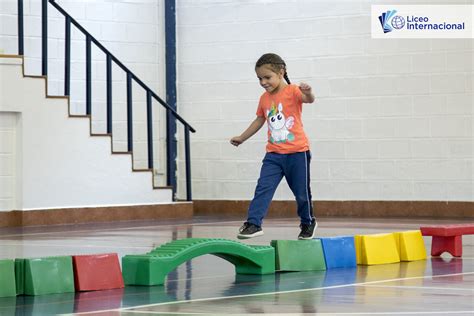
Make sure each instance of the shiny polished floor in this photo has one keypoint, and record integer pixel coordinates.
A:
(208, 285)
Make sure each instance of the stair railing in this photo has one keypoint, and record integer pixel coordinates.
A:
(131, 77)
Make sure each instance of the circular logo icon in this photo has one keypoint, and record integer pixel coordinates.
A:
(398, 22)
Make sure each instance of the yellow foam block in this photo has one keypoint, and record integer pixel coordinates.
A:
(411, 245)
(358, 247)
(376, 249)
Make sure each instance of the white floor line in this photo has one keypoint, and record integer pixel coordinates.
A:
(408, 287)
(271, 293)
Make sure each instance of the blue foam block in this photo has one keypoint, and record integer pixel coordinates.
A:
(339, 252)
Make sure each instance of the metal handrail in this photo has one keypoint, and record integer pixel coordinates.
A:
(130, 77)
(121, 65)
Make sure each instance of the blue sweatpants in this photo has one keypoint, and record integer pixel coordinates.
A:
(295, 168)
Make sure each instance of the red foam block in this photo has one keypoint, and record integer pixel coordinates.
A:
(447, 237)
(97, 272)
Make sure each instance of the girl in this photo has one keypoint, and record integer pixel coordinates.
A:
(287, 148)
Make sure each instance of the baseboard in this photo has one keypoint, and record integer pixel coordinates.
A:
(95, 215)
(378, 209)
(233, 208)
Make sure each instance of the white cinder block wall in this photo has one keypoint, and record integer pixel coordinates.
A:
(392, 121)
(132, 30)
(8, 160)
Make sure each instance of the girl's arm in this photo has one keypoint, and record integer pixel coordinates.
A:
(307, 93)
(252, 129)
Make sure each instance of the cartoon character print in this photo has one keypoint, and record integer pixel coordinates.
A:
(279, 126)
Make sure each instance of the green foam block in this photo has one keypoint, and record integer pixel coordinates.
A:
(7, 278)
(40, 276)
(153, 267)
(299, 255)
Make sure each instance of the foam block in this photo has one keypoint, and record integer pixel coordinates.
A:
(376, 249)
(447, 238)
(298, 255)
(7, 278)
(153, 267)
(411, 245)
(97, 272)
(45, 275)
(339, 252)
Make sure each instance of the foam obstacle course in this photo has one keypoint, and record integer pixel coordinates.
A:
(38, 276)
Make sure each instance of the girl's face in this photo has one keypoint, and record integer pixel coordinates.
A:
(271, 81)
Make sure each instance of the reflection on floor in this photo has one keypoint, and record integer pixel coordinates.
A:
(209, 285)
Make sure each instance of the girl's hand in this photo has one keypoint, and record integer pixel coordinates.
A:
(305, 88)
(307, 93)
(236, 141)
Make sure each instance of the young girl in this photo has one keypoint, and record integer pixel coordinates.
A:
(287, 148)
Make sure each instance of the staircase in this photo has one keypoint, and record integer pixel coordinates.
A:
(74, 165)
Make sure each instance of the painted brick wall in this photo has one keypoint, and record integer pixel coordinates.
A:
(8, 160)
(392, 121)
(131, 30)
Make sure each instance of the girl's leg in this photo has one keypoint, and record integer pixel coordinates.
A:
(270, 176)
(297, 174)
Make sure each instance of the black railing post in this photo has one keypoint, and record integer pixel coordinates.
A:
(20, 28)
(129, 112)
(109, 94)
(67, 57)
(170, 57)
(44, 37)
(187, 152)
(88, 75)
(149, 116)
(170, 152)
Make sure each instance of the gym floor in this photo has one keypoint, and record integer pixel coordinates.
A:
(208, 285)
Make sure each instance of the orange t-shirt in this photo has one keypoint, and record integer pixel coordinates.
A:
(283, 114)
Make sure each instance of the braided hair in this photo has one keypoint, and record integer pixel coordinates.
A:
(275, 62)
